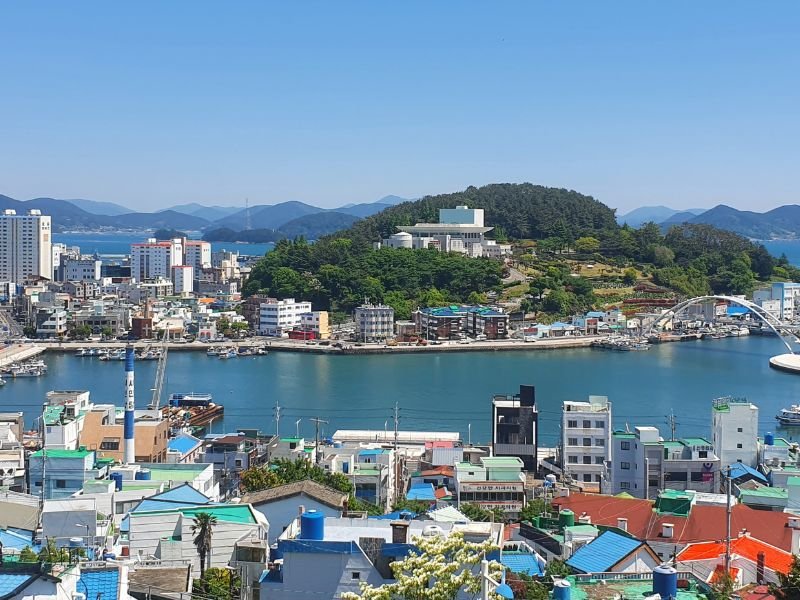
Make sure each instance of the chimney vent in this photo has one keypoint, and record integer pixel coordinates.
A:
(667, 529)
(622, 523)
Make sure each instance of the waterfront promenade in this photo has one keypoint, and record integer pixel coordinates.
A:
(285, 345)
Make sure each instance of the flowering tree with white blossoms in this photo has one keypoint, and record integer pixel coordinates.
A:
(441, 568)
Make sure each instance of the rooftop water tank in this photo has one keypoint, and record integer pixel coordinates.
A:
(143, 474)
(769, 438)
(117, 479)
(402, 240)
(312, 525)
(561, 590)
(566, 518)
(665, 582)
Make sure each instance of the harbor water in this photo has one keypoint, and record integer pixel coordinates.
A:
(442, 391)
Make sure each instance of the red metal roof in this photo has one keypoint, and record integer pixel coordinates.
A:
(759, 592)
(704, 523)
(439, 444)
(443, 470)
(745, 546)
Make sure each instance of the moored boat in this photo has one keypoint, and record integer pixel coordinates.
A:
(789, 416)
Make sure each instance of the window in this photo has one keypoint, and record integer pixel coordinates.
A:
(625, 446)
(739, 429)
(572, 442)
(598, 460)
(587, 441)
(600, 442)
(676, 476)
(625, 466)
(597, 478)
(624, 485)
(697, 476)
(355, 575)
(61, 483)
(587, 423)
(238, 463)
(587, 477)
(572, 423)
(587, 460)
(109, 444)
(600, 424)
(572, 459)
(738, 445)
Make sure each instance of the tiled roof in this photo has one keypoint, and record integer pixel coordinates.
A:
(703, 523)
(12, 539)
(100, 583)
(11, 582)
(602, 553)
(745, 546)
(312, 489)
(444, 471)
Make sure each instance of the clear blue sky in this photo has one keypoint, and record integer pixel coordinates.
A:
(156, 103)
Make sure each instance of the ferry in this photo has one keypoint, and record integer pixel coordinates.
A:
(190, 399)
(789, 416)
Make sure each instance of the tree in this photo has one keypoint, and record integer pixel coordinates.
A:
(28, 555)
(220, 584)
(258, 478)
(533, 509)
(557, 568)
(415, 506)
(202, 529)
(476, 512)
(722, 588)
(106, 332)
(788, 587)
(29, 331)
(587, 245)
(477, 298)
(438, 569)
(629, 277)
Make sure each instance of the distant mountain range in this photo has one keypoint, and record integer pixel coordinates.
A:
(298, 217)
(779, 223)
(656, 214)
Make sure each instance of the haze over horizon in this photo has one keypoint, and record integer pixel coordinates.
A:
(150, 105)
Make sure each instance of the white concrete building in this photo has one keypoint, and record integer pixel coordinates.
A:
(85, 268)
(197, 254)
(374, 322)
(277, 317)
(586, 441)
(459, 229)
(154, 260)
(183, 279)
(25, 246)
(781, 299)
(734, 431)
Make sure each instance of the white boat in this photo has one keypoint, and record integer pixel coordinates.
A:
(231, 353)
(114, 355)
(27, 372)
(789, 416)
(83, 352)
(213, 351)
(2, 381)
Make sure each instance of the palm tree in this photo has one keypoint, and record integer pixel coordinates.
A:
(201, 529)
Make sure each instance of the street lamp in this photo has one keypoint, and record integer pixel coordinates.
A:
(88, 540)
(488, 584)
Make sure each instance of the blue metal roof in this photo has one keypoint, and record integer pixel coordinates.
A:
(11, 539)
(317, 547)
(373, 452)
(183, 496)
(11, 582)
(595, 314)
(103, 583)
(522, 562)
(422, 491)
(398, 515)
(741, 470)
(602, 553)
(183, 443)
(737, 310)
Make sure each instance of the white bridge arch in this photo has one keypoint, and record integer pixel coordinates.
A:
(777, 326)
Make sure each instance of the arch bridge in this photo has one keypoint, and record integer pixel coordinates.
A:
(778, 327)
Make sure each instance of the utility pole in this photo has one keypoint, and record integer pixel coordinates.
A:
(277, 418)
(672, 424)
(396, 458)
(728, 521)
(317, 421)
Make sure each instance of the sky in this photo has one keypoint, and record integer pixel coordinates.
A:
(151, 104)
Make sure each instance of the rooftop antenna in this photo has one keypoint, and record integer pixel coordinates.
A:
(317, 421)
(672, 424)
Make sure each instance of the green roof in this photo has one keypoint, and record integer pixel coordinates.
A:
(289, 440)
(367, 472)
(52, 414)
(183, 474)
(765, 492)
(502, 461)
(696, 441)
(624, 435)
(57, 453)
(587, 589)
(673, 444)
(230, 513)
(582, 529)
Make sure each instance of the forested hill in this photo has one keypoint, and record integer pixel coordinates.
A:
(516, 210)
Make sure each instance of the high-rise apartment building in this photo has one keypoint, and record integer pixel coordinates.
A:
(586, 440)
(25, 246)
(197, 254)
(153, 259)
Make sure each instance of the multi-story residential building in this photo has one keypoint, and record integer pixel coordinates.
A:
(62, 473)
(80, 269)
(197, 254)
(228, 452)
(514, 426)
(455, 322)
(154, 260)
(645, 464)
(374, 322)
(586, 441)
(497, 482)
(51, 322)
(25, 246)
(316, 322)
(787, 296)
(734, 431)
(102, 431)
(277, 317)
(183, 279)
(99, 318)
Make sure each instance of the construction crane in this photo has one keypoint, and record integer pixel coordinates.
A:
(161, 369)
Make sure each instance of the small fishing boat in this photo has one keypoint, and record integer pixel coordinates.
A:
(230, 353)
(83, 352)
